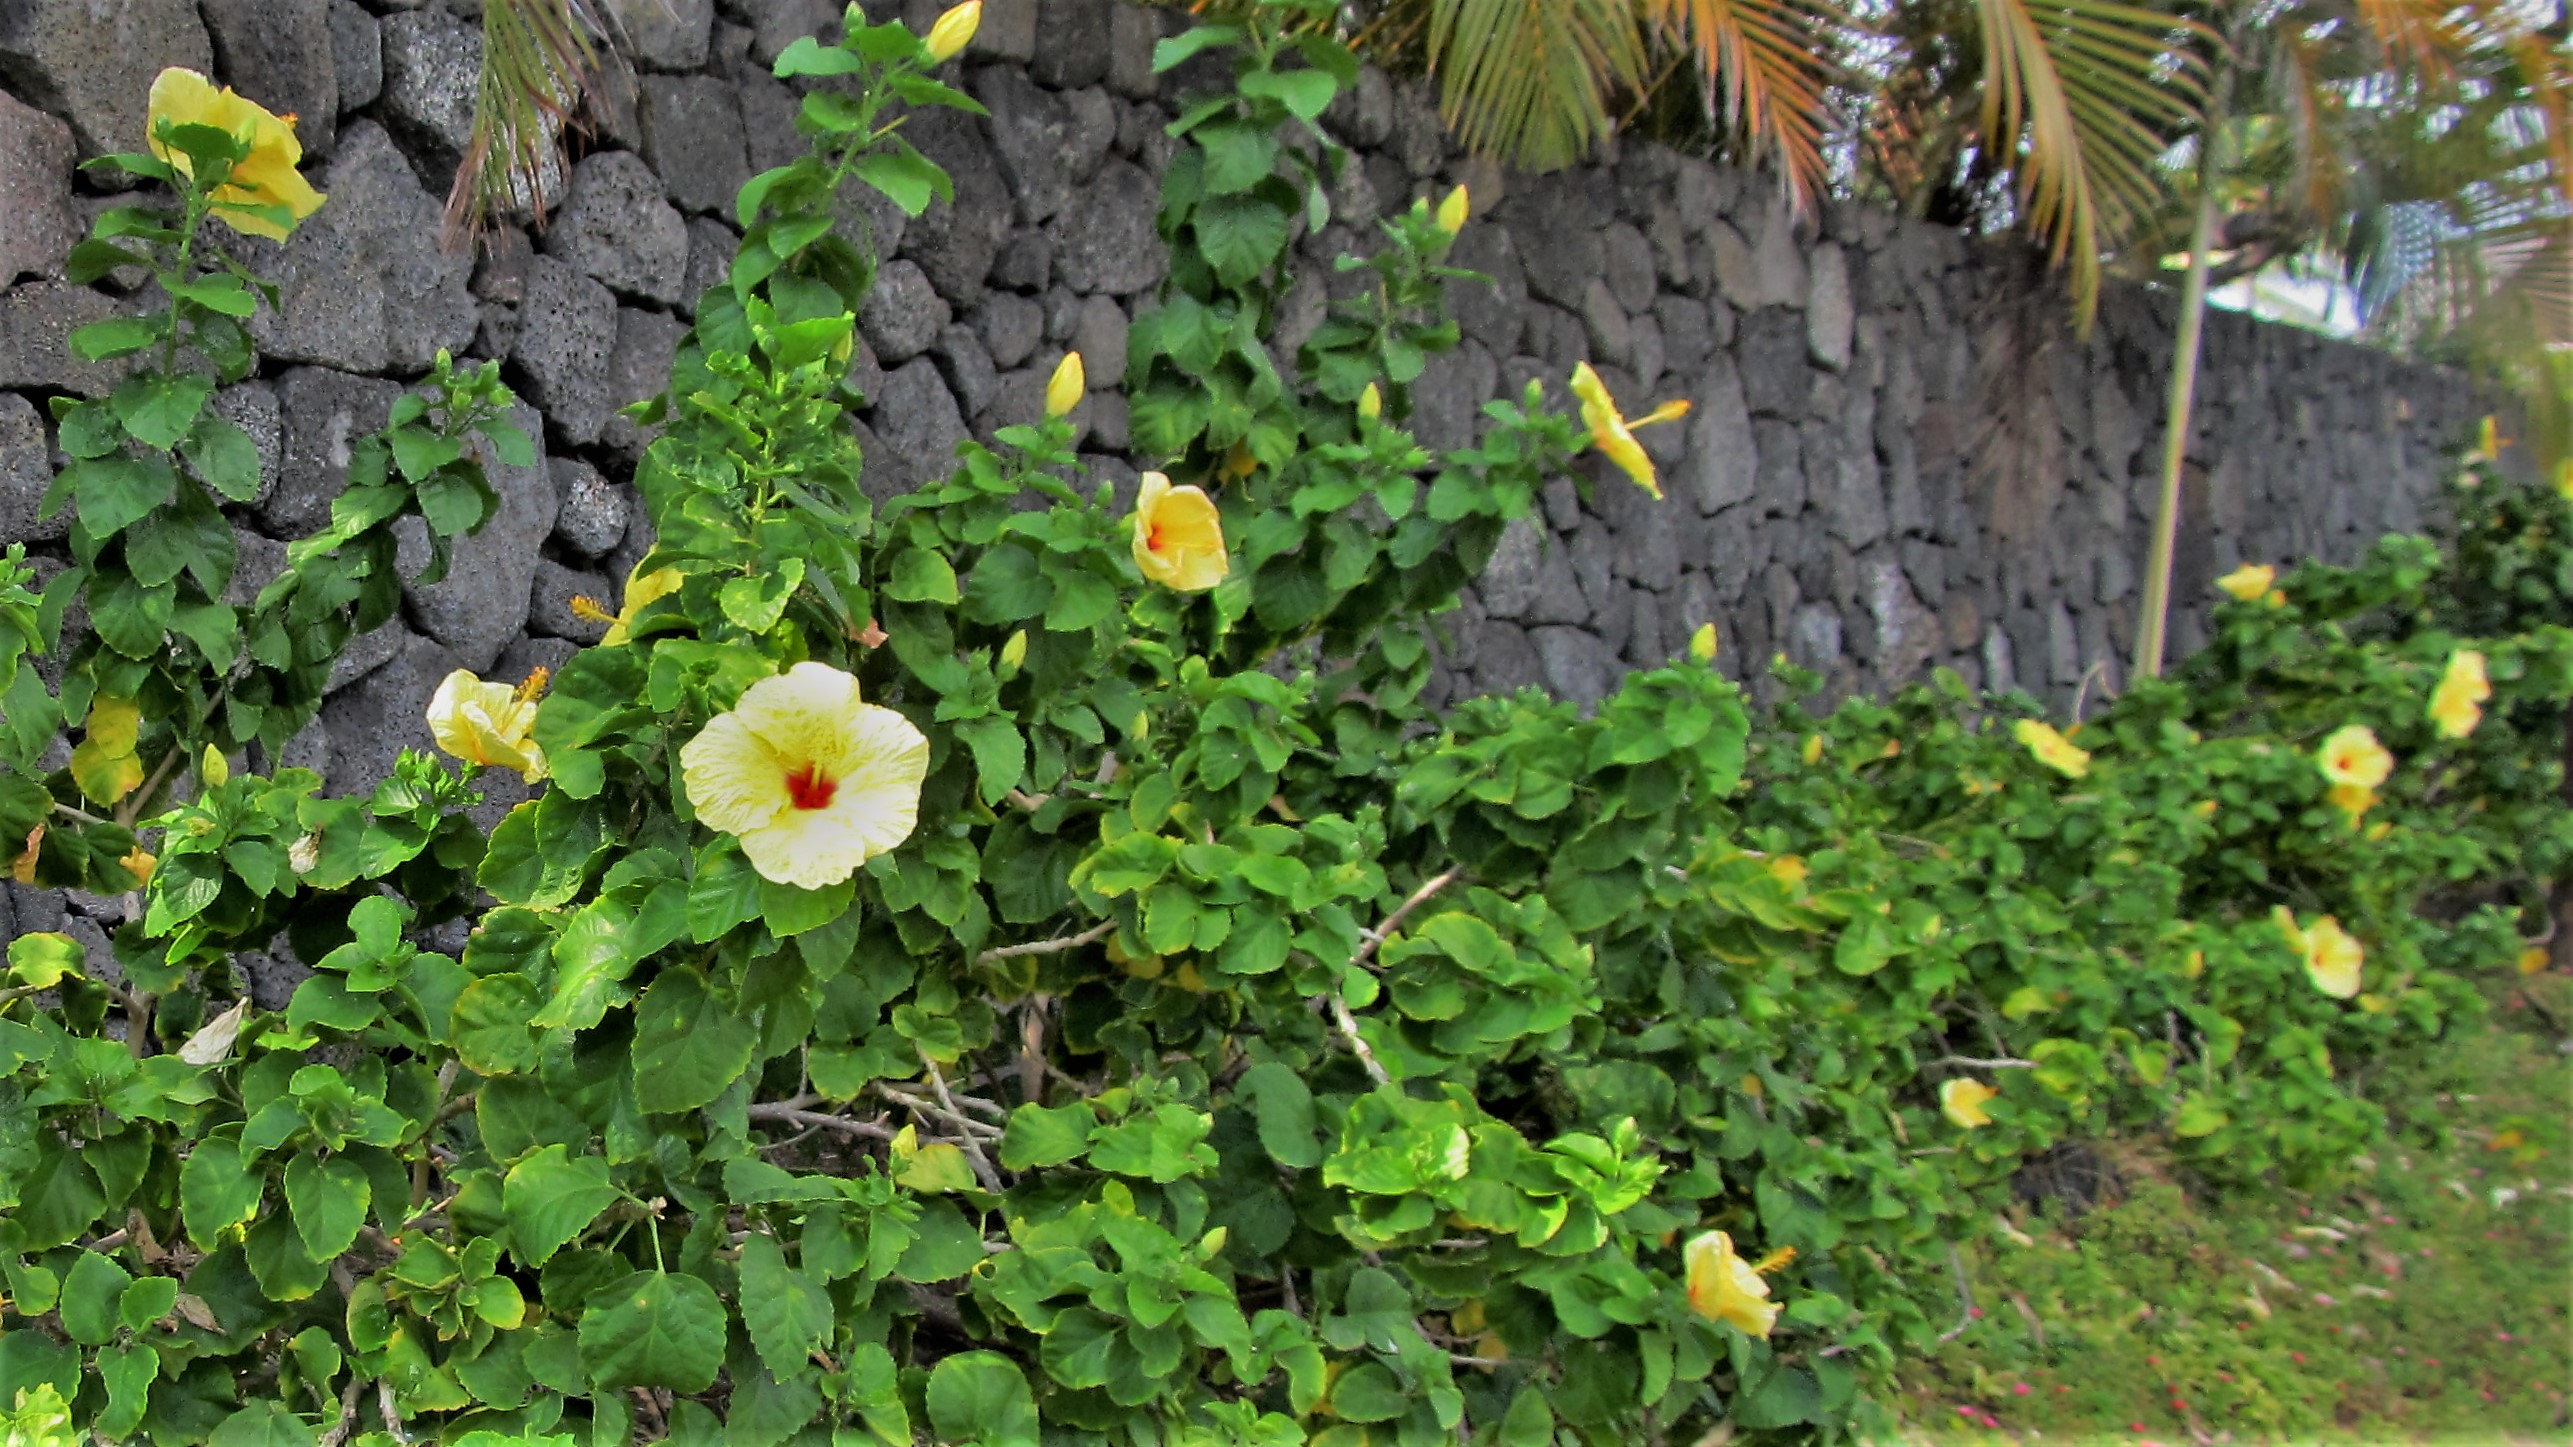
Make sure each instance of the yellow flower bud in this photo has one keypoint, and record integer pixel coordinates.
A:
(954, 30)
(1702, 643)
(1453, 211)
(1371, 403)
(214, 768)
(1013, 655)
(1065, 390)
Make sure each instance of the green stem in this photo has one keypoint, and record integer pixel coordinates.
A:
(2153, 627)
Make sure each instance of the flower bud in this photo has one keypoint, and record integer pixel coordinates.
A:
(1452, 211)
(1371, 403)
(1064, 390)
(954, 31)
(214, 768)
(1702, 643)
(1013, 655)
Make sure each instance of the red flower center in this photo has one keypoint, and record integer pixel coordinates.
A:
(1152, 538)
(809, 788)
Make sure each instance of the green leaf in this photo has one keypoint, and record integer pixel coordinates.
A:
(329, 1200)
(687, 1046)
(755, 604)
(591, 961)
(2199, 1115)
(113, 493)
(90, 1293)
(117, 337)
(1240, 236)
(217, 1192)
(420, 453)
(789, 1314)
(1000, 754)
(45, 958)
(1865, 946)
(1305, 93)
(267, 1424)
(148, 1300)
(551, 1199)
(129, 1372)
(980, 1397)
(654, 1329)
(223, 455)
(219, 293)
(1283, 1105)
(1081, 1347)
(790, 910)
(159, 410)
(1040, 1136)
(489, 1025)
(907, 177)
(918, 575)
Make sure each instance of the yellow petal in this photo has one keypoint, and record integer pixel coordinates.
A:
(1962, 1102)
(1453, 211)
(1702, 643)
(2333, 958)
(735, 781)
(641, 590)
(2456, 705)
(1179, 536)
(2352, 755)
(1064, 390)
(954, 30)
(2248, 582)
(1724, 1287)
(2051, 748)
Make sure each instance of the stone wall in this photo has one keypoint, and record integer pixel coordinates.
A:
(1832, 495)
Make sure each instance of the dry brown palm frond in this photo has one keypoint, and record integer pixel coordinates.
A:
(2084, 96)
(1767, 70)
(541, 63)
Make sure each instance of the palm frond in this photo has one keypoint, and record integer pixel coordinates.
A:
(2085, 96)
(540, 64)
(1767, 70)
(1533, 80)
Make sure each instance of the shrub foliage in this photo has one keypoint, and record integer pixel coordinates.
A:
(1231, 1049)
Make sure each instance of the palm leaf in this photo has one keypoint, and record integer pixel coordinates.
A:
(1533, 80)
(2085, 96)
(1767, 72)
(539, 65)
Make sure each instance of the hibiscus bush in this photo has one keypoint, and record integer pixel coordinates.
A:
(1018, 962)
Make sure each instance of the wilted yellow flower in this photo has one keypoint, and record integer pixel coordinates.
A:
(2332, 957)
(2249, 581)
(1612, 434)
(1371, 403)
(1179, 538)
(487, 724)
(2532, 961)
(1453, 211)
(641, 590)
(2351, 755)
(2204, 808)
(1723, 1287)
(2457, 704)
(2051, 748)
(2352, 799)
(1702, 643)
(265, 177)
(2564, 478)
(813, 781)
(953, 31)
(1813, 749)
(140, 863)
(1962, 1100)
(1790, 868)
(1064, 390)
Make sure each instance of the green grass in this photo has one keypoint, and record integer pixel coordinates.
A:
(2422, 1298)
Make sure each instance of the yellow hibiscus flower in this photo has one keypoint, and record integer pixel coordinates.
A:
(2351, 755)
(1724, 1287)
(1064, 390)
(2457, 704)
(1613, 435)
(263, 178)
(2332, 957)
(2352, 799)
(1962, 1101)
(2051, 748)
(953, 31)
(487, 725)
(813, 781)
(1179, 538)
(641, 590)
(2249, 582)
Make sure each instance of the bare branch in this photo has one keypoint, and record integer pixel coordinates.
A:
(1402, 911)
(1358, 1045)
(1089, 936)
